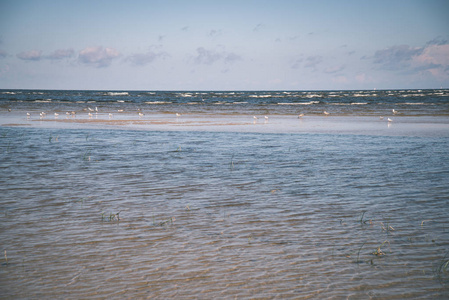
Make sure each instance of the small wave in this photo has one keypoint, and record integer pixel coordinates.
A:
(117, 93)
(301, 103)
(120, 101)
(185, 95)
(413, 95)
(9, 93)
(417, 103)
(259, 96)
(158, 102)
(314, 96)
(43, 101)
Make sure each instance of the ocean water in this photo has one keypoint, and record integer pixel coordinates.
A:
(360, 103)
(184, 214)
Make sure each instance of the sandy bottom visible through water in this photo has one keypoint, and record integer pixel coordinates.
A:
(398, 125)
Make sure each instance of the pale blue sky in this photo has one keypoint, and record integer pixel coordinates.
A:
(224, 45)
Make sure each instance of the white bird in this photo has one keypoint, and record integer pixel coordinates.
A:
(90, 115)
(28, 115)
(381, 117)
(390, 120)
(96, 109)
(266, 117)
(73, 113)
(67, 114)
(110, 115)
(254, 117)
(394, 111)
(326, 113)
(56, 115)
(178, 114)
(90, 109)
(141, 114)
(300, 116)
(120, 110)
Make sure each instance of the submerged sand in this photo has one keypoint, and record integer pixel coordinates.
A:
(398, 126)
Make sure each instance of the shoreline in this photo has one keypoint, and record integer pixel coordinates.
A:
(357, 125)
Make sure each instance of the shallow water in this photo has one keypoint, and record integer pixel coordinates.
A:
(147, 214)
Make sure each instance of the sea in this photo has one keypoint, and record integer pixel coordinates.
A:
(363, 103)
(173, 212)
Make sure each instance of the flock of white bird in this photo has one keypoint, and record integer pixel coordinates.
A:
(141, 114)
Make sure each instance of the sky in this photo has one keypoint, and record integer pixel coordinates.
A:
(224, 45)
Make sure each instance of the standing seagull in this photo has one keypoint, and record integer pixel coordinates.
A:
(394, 111)
(326, 113)
(300, 116)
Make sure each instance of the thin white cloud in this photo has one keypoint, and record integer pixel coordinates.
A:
(432, 58)
(61, 54)
(98, 57)
(297, 63)
(313, 61)
(396, 57)
(259, 27)
(142, 59)
(334, 69)
(215, 33)
(209, 57)
(206, 57)
(231, 57)
(32, 55)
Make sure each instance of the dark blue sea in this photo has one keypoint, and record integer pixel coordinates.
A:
(363, 103)
(115, 212)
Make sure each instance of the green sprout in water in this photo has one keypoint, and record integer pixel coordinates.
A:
(358, 254)
(86, 156)
(378, 251)
(386, 228)
(167, 222)
(112, 217)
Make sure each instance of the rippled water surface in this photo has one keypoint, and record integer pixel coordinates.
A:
(175, 215)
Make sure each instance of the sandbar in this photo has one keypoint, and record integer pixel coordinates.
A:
(360, 125)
